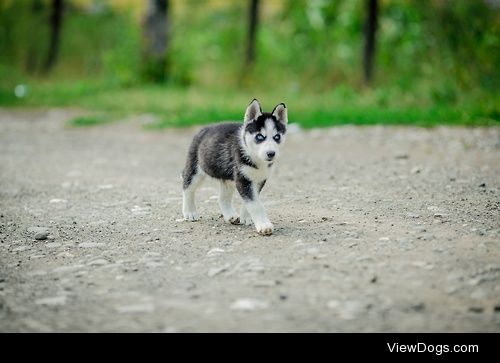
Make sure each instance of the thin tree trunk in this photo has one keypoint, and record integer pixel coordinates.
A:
(156, 40)
(370, 39)
(33, 55)
(55, 34)
(253, 20)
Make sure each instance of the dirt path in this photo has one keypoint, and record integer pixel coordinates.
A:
(377, 229)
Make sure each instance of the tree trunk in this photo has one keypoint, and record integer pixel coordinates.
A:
(33, 55)
(370, 38)
(253, 20)
(156, 41)
(55, 34)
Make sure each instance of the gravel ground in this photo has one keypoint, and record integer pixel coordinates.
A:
(376, 229)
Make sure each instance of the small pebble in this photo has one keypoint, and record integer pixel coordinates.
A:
(40, 236)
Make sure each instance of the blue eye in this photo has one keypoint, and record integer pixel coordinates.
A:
(277, 137)
(259, 138)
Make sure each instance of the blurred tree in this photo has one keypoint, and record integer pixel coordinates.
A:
(370, 30)
(156, 41)
(32, 59)
(253, 20)
(55, 34)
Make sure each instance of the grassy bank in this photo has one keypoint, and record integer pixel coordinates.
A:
(178, 107)
(435, 63)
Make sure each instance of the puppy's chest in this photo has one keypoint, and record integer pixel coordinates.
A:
(257, 175)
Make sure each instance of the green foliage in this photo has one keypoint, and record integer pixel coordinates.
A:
(154, 70)
(436, 62)
(95, 41)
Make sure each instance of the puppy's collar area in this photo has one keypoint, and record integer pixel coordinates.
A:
(247, 160)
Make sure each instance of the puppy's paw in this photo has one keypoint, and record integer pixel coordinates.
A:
(265, 229)
(231, 218)
(190, 216)
(234, 220)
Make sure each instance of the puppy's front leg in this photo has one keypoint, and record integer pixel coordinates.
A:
(259, 216)
(249, 193)
(245, 216)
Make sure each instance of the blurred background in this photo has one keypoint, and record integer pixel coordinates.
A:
(184, 62)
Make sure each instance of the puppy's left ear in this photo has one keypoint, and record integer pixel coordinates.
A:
(280, 113)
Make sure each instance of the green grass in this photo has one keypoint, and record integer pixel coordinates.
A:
(182, 107)
(90, 120)
(423, 75)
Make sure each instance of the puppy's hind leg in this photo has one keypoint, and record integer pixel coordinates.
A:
(191, 181)
(226, 202)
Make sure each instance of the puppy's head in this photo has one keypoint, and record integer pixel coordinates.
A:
(264, 132)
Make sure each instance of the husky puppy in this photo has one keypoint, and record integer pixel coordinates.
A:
(241, 157)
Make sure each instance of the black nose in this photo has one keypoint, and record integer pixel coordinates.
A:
(270, 154)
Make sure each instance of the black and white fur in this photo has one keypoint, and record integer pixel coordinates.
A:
(241, 157)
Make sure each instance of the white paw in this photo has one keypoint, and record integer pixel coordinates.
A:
(233, 219)
(265, 228)
(190, 216)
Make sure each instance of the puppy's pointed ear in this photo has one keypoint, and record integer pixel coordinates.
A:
(253, 111)
(280, 113)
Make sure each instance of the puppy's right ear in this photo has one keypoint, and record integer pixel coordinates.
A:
(253, 111)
